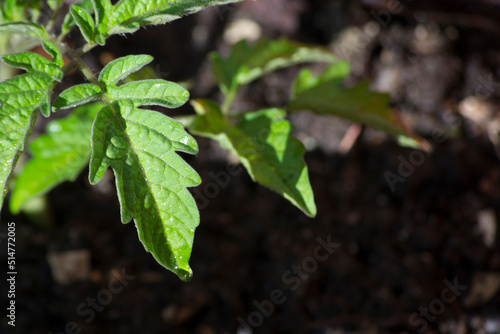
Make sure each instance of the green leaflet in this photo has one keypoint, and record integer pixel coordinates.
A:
(122, 67)
(57, 156)
(54, 52)
(19, 98)
(144, 92)
(150, 92)
(129, 15)
(15, 10)
(24, 28)
(151, 178)
(323, 95)
(30, 61)
(34, 63)
(263, 142)
(8, 8)
(247, 63)
(85, 22)
(103, 11)
(77, 95)
(69, 21)
(12, 10)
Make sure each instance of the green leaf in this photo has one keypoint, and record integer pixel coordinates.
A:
(323, 95)
(120, 68)
(24, 28)
(77, 95)
(54, 52)
(69, 21)
(11, 10)
(247, 63)
(85, 22)
(57, 156)
(129, 15)
(45, 102)
(151, 92)
(19, 98)
(103, 10)
(262, 141)
(30, 62)
(151, 178)
(54, 4)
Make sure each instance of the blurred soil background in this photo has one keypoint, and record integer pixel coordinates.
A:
(401, 246)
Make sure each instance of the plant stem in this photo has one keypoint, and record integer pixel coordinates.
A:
(6, 71)
(231, 95)
(87, 72)
(53, 18)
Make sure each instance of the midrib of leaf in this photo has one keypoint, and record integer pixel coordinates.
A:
(158, 210)
(143, 164)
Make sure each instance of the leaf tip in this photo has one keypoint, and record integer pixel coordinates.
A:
(185, 275)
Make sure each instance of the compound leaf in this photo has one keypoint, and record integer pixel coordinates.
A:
(77, 95)
(57, 156)
(247, 63)
(151, 178)
(151, 92)
(262, 141)
(19, 98)
(323, 95)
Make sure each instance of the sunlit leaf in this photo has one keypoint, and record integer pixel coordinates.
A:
(129, 15)
(151, 178)
(19, 99)
(77, 95)
(120, 68)
(151, 92)
(262, 141)
(30, 62)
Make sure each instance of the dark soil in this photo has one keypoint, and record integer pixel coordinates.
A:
(399, 246)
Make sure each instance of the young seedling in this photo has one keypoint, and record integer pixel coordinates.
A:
(111, 127)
